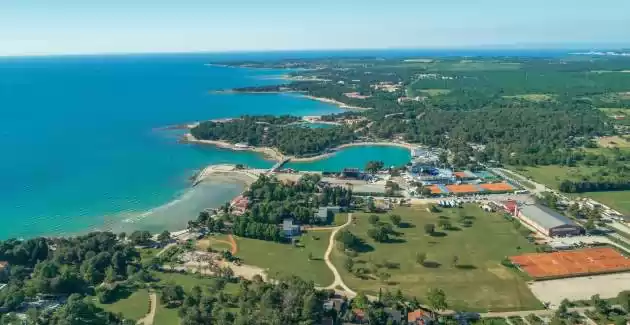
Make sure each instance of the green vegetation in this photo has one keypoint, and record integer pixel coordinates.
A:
(466, 247)
(134, 306)
(305, 259)
(189, 281)
(268, 131)
(165, 316)
(532, 97)
(619, 200)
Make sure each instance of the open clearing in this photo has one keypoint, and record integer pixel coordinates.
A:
(217, 243)
(286, 259)
(165, 316)
(533, 97)
(134, 306)
(582, 288)
(613, 142)
(552, 176)
(434, 92)
(479, 248)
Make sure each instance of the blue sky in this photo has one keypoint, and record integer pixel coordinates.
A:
(32, 27)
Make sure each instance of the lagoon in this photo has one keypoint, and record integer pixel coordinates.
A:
(355, 157)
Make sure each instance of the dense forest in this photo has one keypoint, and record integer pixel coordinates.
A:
(510, 110)
(265, 131)
(70, 267)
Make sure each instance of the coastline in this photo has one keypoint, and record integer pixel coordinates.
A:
(274, 154)
(269, 153)
(336, 102)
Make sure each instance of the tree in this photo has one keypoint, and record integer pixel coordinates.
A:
(360, 301)
(172, 294)
(429, 229)
(455, 260)
(373, 219)
(623, 298)
(590, 224)
(140, 237)
(436, 299)
(395, 219)
(348, 264)
(374, 166)
(384, 276)
(444, 224)
(164, 237)
(421, 257)
(122, 236)
(370, 205)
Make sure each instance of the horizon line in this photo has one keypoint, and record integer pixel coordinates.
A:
(514, 47)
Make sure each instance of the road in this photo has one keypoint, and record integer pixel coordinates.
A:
(338, 282)
(148, 319)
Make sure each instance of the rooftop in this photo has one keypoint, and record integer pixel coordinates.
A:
(544, 216)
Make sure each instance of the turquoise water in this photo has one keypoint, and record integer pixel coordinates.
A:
(355, 157)
(81, 145)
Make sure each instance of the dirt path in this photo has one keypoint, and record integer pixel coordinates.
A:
(148, 319)
(338, 282)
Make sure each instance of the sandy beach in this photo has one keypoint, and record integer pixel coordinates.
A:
(335, 102)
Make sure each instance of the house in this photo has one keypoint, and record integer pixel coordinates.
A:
(289, 229)
(394, 315)
(326, 213)
(334, 303)
(359, 316)
(418, 317)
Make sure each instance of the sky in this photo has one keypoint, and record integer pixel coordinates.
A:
(40, 27)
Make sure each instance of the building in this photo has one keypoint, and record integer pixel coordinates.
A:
(546, 221)
(324, 213)
(418, 317)
(4, 268)
(394, 315)
(289, 229)
(351, 173)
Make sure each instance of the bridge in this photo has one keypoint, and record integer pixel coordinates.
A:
(277, 166)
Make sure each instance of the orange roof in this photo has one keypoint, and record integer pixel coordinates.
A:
(572, 263)
(416, 315)
(460, 174)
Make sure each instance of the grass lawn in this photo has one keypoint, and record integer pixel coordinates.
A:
(148, 253)
(286, 259)
(434, 92)
(618, 200)
(135, 306)
(613, 142)
(165, 316)
(479, 282)
(339, 219)
(553, 175)
(188, 281)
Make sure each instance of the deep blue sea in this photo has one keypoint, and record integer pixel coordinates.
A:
(82, 147)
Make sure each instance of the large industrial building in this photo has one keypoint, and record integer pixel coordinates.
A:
(545, 220)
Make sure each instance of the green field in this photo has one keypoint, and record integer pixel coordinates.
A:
(478, 281)
(553, 175)
(135, 306)
(618, 200)
(165, 316)
(188, 281)
(286, 259)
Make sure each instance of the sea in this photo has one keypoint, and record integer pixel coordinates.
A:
(84, 146)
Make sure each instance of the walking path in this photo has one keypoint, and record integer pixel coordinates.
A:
(148, 319)
(338, 282)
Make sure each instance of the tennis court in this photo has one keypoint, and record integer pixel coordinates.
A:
(572, 263)
(463, 188)
(497, 187)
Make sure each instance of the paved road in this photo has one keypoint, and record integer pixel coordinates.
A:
(338, 282)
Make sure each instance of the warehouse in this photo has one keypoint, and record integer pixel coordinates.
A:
(547, 221)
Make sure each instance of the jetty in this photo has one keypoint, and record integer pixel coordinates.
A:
(278, 165)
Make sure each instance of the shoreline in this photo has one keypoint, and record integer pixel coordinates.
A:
(336, 103)
(275, 155)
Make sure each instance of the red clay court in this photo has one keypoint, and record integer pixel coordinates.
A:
(572, 263)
